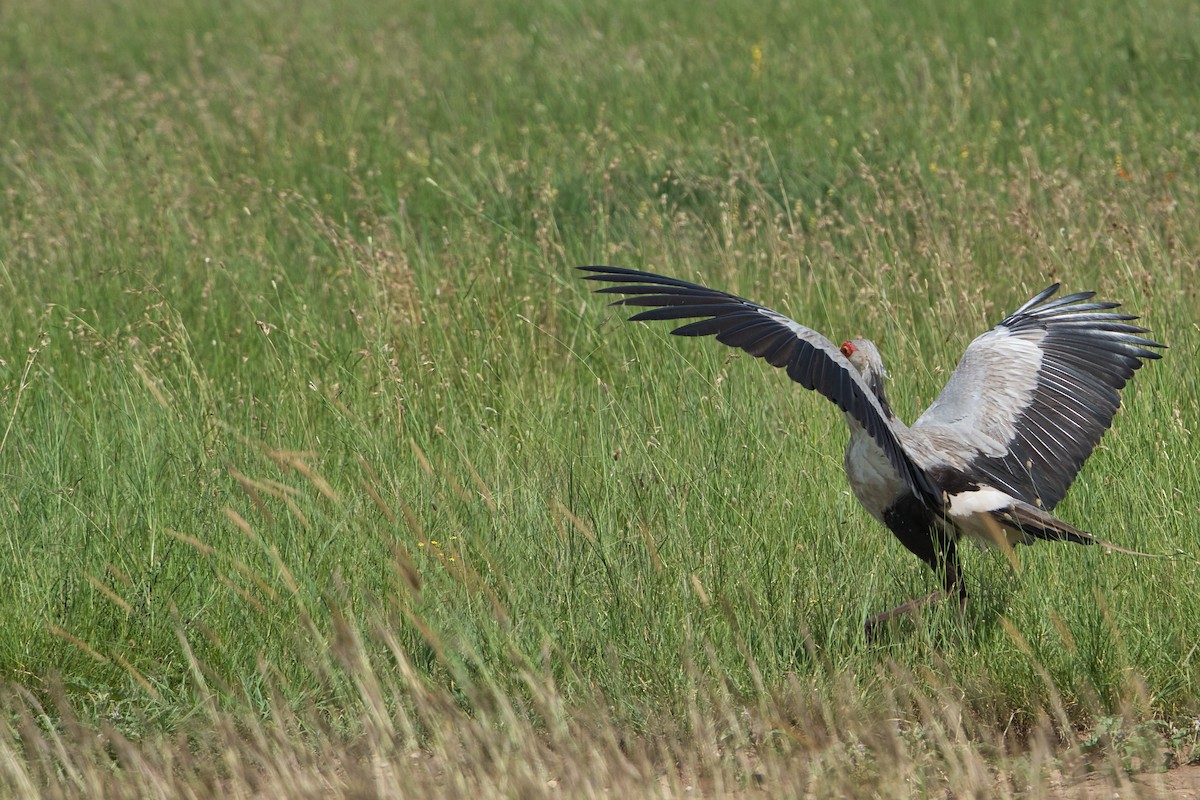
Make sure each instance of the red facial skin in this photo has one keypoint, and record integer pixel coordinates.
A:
(848, 349)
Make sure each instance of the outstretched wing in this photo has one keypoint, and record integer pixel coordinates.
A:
(809, 358)
(1031, 398)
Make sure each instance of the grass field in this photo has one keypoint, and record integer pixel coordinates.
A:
(324, 475)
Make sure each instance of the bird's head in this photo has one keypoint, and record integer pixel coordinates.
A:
(864, 356)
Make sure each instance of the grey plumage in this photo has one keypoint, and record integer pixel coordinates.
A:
(1033, 446)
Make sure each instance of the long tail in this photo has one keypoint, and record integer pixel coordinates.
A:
(1033, 521)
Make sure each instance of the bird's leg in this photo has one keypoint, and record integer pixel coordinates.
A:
(908, 608)
(945, 563)
(951, 580)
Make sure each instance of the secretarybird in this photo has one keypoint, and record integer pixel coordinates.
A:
(995, 452)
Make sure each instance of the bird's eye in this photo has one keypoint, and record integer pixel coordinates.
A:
(847, 349)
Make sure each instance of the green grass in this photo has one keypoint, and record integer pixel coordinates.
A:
(293, 350)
